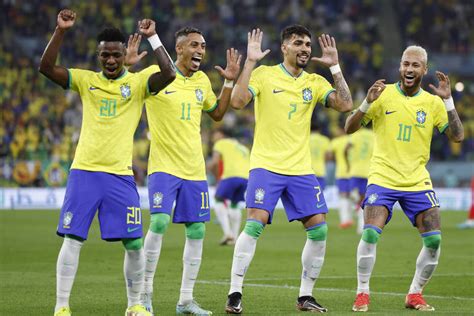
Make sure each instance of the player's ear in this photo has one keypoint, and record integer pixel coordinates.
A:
(284, 48)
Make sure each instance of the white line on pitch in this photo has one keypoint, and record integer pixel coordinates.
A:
(291, 287)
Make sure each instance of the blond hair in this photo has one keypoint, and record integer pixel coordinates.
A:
(417, 50)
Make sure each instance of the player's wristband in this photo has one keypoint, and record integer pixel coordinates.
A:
(335, 69)
(449, 104)
(228, 83)
(364, 107)
(155, 41)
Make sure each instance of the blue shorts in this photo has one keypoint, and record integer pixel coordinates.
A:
(412, 203)
(232, 189)
(322, 182)
(302, 196)
(343, 185)
(192, 198)
(359, 184)
(114, 196)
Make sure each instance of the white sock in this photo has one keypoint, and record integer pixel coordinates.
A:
(365, 263)
(222, 213)
(152, 255)
(344, 210)
(133, 268)
(425, 265)
(66, 268)
(243, 254)
(360, 221)
(235, 215)
(191, 262)
(312, 259)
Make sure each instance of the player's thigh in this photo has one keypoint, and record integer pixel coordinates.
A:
(415, 203)
(303, 197)
(84, 193)
(162, 191)
(119, 213)
(429, 220)
(264, 188)
(192, 203)
(378, 205)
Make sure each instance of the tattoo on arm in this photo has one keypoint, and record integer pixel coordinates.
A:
(455, 130)
(342, 89)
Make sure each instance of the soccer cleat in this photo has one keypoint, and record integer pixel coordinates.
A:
(309, 304)
(466, 225)
(346, 225)
(137, 310)
(416, 301)
(227, 240)
(63, 311)
(234, 303)
(192, 308)
(145, 298)
(361, 303)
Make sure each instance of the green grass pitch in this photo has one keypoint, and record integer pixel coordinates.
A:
(29, 248)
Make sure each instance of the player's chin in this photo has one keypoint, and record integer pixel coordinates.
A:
(302, 64)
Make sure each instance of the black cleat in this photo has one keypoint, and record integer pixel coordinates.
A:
(234, 303)
(309, 304)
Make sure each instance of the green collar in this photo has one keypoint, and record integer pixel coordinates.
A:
(282, 67)
(180, 73)
(399, 89)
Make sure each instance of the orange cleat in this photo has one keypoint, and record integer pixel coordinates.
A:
(416, 301)
(361, 303)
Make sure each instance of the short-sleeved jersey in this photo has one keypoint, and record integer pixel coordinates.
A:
(338, 147)
(174, 117)
(283, 108)
(360, 152)
(403, 128)
(111, 111)
(319, 145)
(235, 158)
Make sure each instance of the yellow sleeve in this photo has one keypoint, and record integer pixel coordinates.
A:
(324, 89)
(219, 146)
(210, 103)
(256, 80)
(77, 78)
(440, 115)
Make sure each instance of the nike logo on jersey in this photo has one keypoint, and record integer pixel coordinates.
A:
(277, 91)
(93, 88)
(169, 92)
(389, 112)
(320, 205)
(131, 230)
(201, 214)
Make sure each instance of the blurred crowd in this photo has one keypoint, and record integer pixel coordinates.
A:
(40, 123)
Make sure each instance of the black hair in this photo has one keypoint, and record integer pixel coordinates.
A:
(111, 34)
(296, 29)
(185, 31)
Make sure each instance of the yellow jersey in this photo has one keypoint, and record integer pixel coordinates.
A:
(403, 128)
(235, 158)
(360, 152)
(174, 118)
(338, 147)
(283, 108)
(319, 145)
(111, 111)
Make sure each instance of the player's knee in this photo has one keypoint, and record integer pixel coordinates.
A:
(253, 228)
(133, 244)
(432, 241)
(317, 232)
(159, 223)
(195, 230)
(371, 234)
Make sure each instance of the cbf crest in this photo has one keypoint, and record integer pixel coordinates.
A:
(259, 195)
(125, 91)
(67, 219)
(199, 95)
(157, 199)
(307, 95)
(372, 198)
(421, 116)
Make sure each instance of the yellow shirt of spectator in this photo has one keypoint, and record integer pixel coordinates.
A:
(319, 145)
(360, 152)
(283, 108)
(235, 158)
(174, 117)
(111, 111)
(403, 128)
(338, 147)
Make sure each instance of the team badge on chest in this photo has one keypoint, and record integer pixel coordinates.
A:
(199, 95)
(421, 116)
(125, 91)
(307, 95)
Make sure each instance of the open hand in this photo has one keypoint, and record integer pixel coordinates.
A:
(232, 68)
(132, 56)
(328, 46)
(375, 91)
(66, 19)
(146, 27)
(254, 46)
(443, 89)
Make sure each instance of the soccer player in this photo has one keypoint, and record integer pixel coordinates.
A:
(280, 163)
(403, 117)
(469, 222)
(176, 169)
(233, 159)
(358, 153)
(338, 149)
(101, 175)
(319, 146)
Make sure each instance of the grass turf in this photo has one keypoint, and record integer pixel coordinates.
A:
(29, 248)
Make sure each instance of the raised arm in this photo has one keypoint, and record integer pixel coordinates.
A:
(48, 67)
(159, 80)
(455, 130)
(353, 122)
(241, 95)
(341, 101)
(230, 73)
